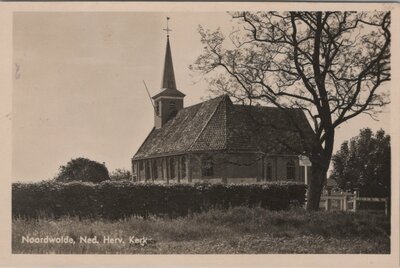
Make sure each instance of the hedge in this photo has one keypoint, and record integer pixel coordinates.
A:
(120, 199)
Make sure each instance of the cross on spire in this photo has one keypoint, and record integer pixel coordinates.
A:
(167, 29)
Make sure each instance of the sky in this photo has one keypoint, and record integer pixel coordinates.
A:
(78, 84)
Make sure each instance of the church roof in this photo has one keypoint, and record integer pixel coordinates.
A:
(169, 92)
(168, 85)
(218, 124)
(168, 80)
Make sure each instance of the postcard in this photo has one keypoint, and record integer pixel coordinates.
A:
(200, 134)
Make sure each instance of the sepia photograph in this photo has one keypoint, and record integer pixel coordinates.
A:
(218, 132)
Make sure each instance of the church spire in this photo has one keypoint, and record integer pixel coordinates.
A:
(169, 101)
(168, 80)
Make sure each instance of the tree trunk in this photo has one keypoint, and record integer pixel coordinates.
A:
(315, 188)
(321, 159)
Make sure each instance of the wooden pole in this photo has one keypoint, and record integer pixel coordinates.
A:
(327, 202)
(355, 201)
(305, 175)
(345, 203)
(386, 206)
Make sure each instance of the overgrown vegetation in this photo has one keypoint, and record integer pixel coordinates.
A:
(121, 174)
(363, 164)
(121, 199)
(83, 169)
(236, 230)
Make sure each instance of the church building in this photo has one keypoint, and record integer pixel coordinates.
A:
(219, 141)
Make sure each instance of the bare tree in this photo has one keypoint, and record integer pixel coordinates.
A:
(329, 64)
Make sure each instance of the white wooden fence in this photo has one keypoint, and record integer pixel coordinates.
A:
(347, 201)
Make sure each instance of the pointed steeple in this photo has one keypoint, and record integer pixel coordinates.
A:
(168, 80)
(169, 101)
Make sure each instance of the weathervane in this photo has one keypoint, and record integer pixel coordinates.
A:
(167, 29)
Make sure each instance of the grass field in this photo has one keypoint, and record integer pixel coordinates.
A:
(237, 230)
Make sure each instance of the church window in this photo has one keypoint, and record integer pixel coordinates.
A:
(155, 169)
(162, 161)
(183, 167)
(167, 167)
(140, 165)
(147, 171)
(207, 166)
(290, 170)
(172, 167)
(172, 105)
(269, 172)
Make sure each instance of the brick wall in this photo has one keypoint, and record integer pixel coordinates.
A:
(227, 167)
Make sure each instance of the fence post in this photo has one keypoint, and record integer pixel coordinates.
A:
(355, 201)
(345, 202)
(386, 205)
(327, 201)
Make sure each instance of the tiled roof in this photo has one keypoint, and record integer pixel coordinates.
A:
(217, 124)
(169, 92)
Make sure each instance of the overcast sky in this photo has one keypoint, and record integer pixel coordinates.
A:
(78, 89)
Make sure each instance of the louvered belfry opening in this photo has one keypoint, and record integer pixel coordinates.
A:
(169, 100)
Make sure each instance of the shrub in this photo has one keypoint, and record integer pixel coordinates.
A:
(121, 174)
(83, 169)
(120, 199)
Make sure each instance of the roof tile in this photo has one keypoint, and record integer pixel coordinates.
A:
(217, 124)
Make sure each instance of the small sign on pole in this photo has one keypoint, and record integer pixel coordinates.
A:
(305, 162)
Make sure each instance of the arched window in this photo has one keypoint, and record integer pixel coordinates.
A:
(141, 165)
(134, 168)
(147, 171)
(207, 166)
(290, 170)
(167, 167)
(172, 105)
(155, 169)
(269, 172)
(183, 167)
(162, 165)
(172, 167)
(173, 111)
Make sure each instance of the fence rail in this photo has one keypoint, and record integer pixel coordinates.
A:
(347, 201)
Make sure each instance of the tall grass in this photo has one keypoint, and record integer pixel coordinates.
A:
(207, 229)
(297, 221)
